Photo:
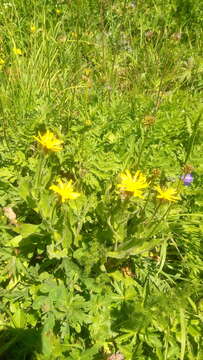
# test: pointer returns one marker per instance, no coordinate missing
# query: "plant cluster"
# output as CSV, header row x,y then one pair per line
x,y
100,180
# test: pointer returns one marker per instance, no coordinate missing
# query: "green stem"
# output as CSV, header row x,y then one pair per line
x,y
147,200
117,237
53,211
190,144
39,169
192,137
42,163
156,226
155,212
140,153
145,205
67,232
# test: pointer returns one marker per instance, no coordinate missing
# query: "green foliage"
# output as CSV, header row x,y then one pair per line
x,y
106,273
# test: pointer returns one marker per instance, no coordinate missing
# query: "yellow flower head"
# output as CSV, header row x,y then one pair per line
x,y
169,194
58,11
33,28
17,51
65,190
2,61
133,184
49,141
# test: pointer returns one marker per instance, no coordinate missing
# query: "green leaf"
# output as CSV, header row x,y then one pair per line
x,y
15,241
39,302
7,174
26,230
49,340
18,317
24,188
45,205
139,248
54,253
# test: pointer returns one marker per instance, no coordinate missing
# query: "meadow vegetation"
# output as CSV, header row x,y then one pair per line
x,y
101,177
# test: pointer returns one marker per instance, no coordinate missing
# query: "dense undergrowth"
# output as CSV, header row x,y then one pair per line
x,y
115,272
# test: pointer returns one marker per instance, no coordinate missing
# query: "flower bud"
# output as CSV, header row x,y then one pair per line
x,y
149,120
187,169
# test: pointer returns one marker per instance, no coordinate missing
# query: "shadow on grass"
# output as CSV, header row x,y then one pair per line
x,y
19,344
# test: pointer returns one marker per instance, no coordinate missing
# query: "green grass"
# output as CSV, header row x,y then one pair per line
x,y
102,274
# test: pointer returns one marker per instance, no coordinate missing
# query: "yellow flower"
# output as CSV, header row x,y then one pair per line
x,y
65,190
2,61
49,141
167,194
58,11
33,28
17,51
88,122
133,184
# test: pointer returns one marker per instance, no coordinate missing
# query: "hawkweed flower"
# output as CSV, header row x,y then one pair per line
x,y
2,61
187,179
134,185
17,51
65,190
49,141
169,194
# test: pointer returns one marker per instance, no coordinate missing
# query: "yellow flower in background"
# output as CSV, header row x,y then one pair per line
x,y
33,28
133,184
2,61
49,141
169,194
17,51
58,11
88,122
65,190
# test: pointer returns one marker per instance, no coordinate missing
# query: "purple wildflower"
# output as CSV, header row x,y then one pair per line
x,y
187,179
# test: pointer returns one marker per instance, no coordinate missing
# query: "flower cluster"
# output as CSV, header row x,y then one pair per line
x,y
50,142
133,185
